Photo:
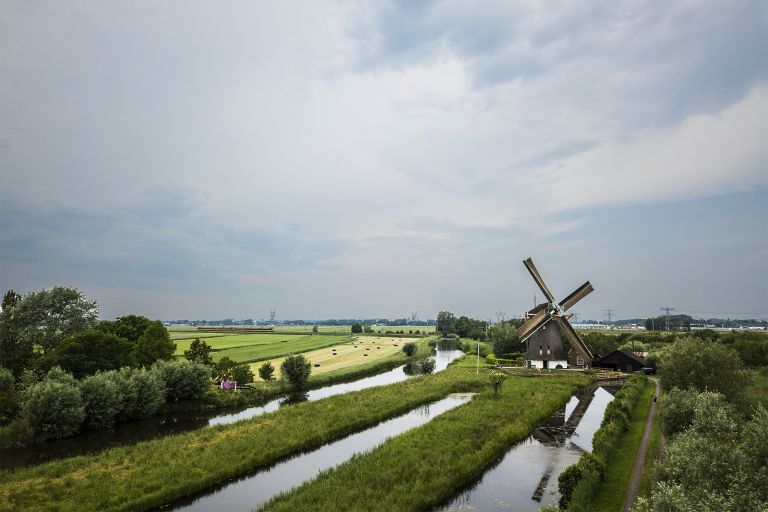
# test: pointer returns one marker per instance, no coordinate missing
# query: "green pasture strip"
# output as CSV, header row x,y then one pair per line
x,y
424,467
239,340
153,473
175,336
613,489
261,352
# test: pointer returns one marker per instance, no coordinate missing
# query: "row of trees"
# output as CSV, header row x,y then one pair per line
x,y
463,326
59,327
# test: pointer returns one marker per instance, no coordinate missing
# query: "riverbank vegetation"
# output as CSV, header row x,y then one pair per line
x,y
605,471
422,468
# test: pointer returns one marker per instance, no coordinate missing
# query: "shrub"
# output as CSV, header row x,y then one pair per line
x,y
8,406
676,410
242,374
296,370
426,365
497,379
409,349
183,380
357,328
266,371
101,400
154,345
53,408
141,393
588,466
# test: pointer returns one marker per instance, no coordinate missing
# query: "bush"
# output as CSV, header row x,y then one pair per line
x,y
676,410
409,349
426,365
227,369
589,466
266,371
154,345
53,408
141,393
357,328
704,366
296,370
183,380
101,400
8,406
242,374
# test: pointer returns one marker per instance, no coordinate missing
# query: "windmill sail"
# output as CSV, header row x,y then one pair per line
x,y
581,292
539,281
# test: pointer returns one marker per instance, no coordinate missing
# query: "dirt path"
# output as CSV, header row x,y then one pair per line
x,y
637,472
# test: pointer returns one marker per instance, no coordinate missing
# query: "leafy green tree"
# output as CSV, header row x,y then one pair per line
x,y
48,317
183,380
53,408
130,327
10,299
446,323
704,366
357,328
154,345
87,352
199,352
504,339
8,405
409,349
242,374
496,378
314,328
266,371
39,322
101,400
296,370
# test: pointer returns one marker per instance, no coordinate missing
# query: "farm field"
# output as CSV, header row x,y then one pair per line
x,y
190,335
261,349
229,341
360,351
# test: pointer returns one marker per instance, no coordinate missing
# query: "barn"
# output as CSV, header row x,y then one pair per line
x,y
622,360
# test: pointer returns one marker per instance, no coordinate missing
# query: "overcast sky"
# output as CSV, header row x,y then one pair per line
x,y
210,159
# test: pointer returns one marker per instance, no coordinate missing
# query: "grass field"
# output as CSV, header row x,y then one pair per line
x,y
149,474
187,335
224,342
361,351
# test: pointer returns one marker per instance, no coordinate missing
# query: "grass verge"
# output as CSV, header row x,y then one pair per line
x,y
611,492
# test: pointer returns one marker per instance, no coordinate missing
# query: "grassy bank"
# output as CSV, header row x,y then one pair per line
x,y
611,492
422,468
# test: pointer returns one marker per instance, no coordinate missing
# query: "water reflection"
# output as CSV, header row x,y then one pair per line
x,y
129,433
255,490
526,477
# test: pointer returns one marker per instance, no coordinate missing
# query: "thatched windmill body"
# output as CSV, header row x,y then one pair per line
x,y
546,325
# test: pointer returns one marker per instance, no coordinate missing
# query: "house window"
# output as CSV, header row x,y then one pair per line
x,y
540,351
579,361
548,351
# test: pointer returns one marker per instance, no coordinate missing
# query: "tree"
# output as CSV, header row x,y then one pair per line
x,y
154,345
8,404
704,366
130,327
101,400
426,365
199,352
266,371
504,339
87,352
357,328
48,317
10,299
496,378
242,374
296,370
446,323
409,349
314,328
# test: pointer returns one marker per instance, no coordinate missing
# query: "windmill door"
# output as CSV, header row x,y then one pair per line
x,y
545,364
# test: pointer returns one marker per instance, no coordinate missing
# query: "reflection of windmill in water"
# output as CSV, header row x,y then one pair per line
x,y
546,324
557,431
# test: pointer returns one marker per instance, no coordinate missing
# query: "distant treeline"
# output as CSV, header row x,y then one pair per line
x,y
333,321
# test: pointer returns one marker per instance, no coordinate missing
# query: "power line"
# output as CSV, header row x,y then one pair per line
x,y
667,310
609,313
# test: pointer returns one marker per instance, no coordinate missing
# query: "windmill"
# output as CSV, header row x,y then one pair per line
x,y
546,323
